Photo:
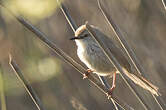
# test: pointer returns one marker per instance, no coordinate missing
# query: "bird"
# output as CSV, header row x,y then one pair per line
x,y
90,53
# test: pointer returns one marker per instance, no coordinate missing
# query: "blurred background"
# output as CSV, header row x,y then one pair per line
x,y
59,85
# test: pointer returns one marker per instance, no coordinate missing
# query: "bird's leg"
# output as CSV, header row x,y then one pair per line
x,y
110,92
86,74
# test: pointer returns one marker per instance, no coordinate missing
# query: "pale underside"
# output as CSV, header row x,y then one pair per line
x,y
93,57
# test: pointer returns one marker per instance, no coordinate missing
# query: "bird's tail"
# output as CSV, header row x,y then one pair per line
x,y
139,80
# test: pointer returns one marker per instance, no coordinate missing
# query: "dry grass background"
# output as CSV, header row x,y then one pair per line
x,y
58,85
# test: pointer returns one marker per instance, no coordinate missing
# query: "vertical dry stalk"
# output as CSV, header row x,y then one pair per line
x,y
128,49
121,39
164,2
27,86
68,17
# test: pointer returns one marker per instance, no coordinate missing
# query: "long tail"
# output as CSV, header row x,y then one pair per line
x,y
142,82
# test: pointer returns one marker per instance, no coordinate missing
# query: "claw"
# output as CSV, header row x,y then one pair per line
x,y
109,96
86,74
110,92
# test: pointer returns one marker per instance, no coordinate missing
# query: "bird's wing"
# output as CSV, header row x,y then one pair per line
x,y
115,50
121,58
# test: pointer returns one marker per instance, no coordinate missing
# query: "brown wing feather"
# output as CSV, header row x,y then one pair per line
x,y
115,50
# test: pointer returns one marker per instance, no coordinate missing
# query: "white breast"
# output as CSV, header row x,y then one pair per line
x,y
93,57
81,52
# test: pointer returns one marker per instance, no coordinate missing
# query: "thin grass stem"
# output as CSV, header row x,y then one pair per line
x,y
67,16
26,84
164,2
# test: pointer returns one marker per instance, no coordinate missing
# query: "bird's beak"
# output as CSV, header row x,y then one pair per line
x,y
78,37
73,38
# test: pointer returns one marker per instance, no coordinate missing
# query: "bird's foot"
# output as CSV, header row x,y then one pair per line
x,y
86,74
110,92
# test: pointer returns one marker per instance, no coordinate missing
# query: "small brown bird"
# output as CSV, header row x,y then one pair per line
x,y
94,58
